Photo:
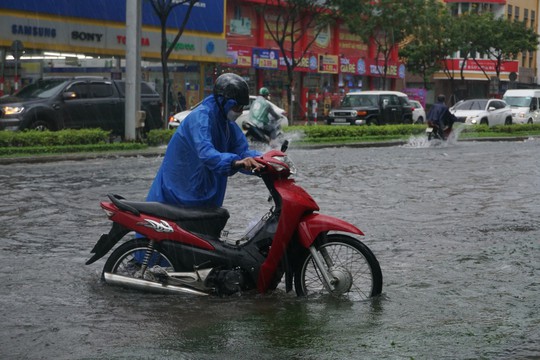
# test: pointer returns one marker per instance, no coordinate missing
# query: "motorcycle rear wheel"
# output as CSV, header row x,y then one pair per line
x,y
127,260
354,269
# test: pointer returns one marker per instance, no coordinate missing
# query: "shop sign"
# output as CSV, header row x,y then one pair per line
x,y
86,36
121,39
28,30
482,65
328,64
205,16
265,58
181,46
478,1
393,69
347,65
240,56
306,64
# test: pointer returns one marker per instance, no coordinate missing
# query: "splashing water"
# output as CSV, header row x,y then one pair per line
x,y
421,141
276,144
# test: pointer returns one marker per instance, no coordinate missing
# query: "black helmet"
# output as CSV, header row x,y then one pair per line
x,y
232,86
441,98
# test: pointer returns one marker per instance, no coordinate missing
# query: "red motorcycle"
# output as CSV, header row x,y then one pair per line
x,y
179,250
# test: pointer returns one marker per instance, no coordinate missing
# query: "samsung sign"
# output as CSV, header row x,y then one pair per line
x,y
38,31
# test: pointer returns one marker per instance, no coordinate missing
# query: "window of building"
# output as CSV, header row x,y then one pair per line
x,y
510,12
516,13
533,20
525,16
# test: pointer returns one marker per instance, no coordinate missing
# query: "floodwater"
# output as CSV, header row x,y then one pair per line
x,y
456,230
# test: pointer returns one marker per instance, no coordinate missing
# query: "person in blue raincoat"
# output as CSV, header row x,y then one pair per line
x,y
207,147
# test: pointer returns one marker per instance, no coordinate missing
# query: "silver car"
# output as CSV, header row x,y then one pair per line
x,y
419,113
489,112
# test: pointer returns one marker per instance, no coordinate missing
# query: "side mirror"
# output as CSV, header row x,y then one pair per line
x,y
69,95
284,145
491,108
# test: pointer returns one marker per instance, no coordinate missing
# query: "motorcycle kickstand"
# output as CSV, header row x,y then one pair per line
x,y
327,282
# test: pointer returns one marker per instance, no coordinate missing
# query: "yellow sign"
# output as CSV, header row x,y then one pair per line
x,y
328,64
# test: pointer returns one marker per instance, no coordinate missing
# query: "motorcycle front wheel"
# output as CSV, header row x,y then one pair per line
x,y
354,270
129,260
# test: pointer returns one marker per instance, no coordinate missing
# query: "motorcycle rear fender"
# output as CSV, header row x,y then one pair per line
x,y
148,226
107,241
313,224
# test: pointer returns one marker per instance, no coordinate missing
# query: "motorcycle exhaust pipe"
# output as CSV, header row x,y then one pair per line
x,y
146,285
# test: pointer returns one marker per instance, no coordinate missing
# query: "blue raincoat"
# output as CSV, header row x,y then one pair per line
x,y
199,158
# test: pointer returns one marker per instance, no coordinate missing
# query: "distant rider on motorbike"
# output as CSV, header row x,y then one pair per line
x,y
260,111
440,116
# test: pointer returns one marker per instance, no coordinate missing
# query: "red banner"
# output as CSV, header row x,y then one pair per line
x,y
481,65
502,2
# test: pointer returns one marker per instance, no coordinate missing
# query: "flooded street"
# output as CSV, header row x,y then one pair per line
x,y
456,230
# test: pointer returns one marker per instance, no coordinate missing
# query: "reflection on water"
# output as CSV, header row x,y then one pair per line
x,y
455,230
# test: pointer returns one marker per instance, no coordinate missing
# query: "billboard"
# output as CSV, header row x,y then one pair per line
x,y
206,15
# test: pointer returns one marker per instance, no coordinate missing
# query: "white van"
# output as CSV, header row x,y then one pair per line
x,y
525,104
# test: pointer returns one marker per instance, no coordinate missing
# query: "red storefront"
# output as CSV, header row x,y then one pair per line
x,y
336,62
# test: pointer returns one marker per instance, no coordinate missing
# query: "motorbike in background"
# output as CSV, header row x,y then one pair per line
x,y
266,135
433,131
181,249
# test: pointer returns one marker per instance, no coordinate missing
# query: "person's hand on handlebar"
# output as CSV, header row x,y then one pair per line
x,y
249,164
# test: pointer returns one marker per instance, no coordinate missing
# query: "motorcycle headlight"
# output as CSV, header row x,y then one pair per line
x,y
284,159
12,110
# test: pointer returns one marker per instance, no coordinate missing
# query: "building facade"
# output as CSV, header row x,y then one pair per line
x,y
336,62
515,73
80,37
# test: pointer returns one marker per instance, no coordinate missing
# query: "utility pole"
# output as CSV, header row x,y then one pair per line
x,y
133,67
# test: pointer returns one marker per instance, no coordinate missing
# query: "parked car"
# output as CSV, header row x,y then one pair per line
x,y
489,112
176,119
75,103
372,108
524,104
418,112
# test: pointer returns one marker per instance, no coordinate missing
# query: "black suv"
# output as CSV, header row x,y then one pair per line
x,y
74,103
372,108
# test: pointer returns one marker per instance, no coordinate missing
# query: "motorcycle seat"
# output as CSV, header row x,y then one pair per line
x,y
170,212
205,220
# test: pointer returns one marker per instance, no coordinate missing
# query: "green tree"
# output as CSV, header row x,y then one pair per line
x,y
429,42
162,9
506,40
288,22
385,23
437,35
